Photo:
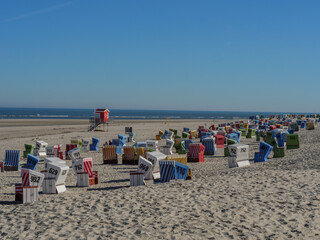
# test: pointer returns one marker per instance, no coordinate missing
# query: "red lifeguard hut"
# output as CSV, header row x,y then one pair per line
x,y
101,117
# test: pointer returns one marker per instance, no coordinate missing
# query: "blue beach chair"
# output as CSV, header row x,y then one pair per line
x,y
12,160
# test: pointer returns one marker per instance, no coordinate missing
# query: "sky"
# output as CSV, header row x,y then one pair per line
x,y
161,54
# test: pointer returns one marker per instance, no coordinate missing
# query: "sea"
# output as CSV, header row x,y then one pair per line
x,y
65,113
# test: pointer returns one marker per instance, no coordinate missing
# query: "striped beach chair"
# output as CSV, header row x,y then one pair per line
x,y
167,170
208,143
68,148
12,160
128,156
110,155
187,143
196,153
32,162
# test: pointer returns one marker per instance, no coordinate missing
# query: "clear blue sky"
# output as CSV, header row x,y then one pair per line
x,y
164,54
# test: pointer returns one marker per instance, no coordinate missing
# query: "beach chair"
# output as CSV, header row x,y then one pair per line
x,y
110,155
209,144
32,162
122,140
78,142
28,150
239,155
26,194
185,135
219,140
12,160
128,156
264,152
170,170
181,159
131,137
154,158
152,144
74,154
187,143
94,145
140,151
310,126
196,153
68,148
85,175
278,152
167,149
40,149
31,178
85,145
144,169
57,173
293,141
127,130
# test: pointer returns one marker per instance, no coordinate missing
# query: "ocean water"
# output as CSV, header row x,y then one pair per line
x,y
63,113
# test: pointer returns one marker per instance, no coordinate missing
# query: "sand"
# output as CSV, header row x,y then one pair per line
x,y
278,199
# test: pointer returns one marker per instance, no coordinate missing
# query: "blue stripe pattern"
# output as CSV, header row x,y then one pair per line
x,y
187,143
12,158
209,146
167,170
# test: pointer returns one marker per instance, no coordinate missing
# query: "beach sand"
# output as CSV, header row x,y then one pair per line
x,y
278,199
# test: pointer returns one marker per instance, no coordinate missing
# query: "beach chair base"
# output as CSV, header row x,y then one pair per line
x,y
199,159
209,153
112,161
130,162
292,146
11,168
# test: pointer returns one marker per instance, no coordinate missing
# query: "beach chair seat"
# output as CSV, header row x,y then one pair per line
x,y
110,155
85,175
32,162
170,170
12,160
28,150
196,153
94,145
128,156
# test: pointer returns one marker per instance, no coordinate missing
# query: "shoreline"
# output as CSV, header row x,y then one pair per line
x,y
60,122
